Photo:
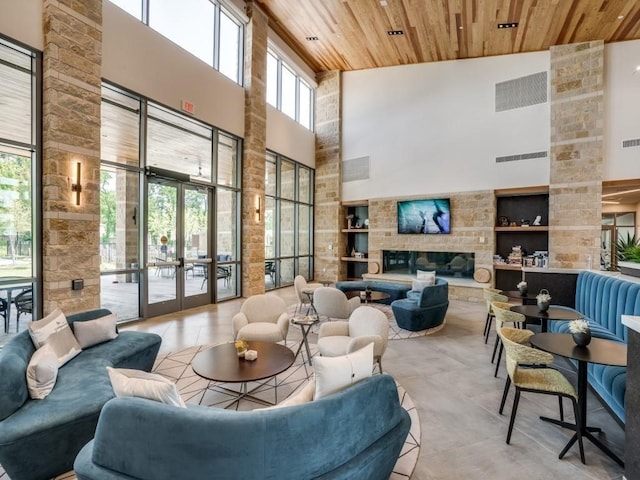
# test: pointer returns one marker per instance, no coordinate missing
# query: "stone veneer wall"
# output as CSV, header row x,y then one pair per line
x,y
72,66
577,112
472,219
253,166
328,185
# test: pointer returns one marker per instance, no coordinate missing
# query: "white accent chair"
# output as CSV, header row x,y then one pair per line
x,y
262,318
365,325
300,284
333,303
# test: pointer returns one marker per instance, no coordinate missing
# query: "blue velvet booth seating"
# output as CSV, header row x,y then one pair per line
x,y
395,290
424,309
355,434
39,439
602,300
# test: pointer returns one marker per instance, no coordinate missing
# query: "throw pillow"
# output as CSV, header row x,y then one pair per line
x,y
424,275
137,383
333,374
92,332
55,331
42,372
418,285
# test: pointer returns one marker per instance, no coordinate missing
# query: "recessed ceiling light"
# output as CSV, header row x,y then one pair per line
x,y
508,25
634,190
610,202
312,39
383,3
460,27
620,17
395,32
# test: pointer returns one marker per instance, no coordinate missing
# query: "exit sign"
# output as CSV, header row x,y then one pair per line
x,y
188,107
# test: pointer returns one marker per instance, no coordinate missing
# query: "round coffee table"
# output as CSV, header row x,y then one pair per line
x,y
222,364
374,297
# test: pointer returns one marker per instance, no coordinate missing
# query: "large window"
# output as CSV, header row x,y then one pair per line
x,y
288,92
206,159
288,221
19,201
204,28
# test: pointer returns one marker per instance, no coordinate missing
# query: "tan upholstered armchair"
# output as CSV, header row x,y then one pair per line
x,y
301,286
262,317
333,303
365,325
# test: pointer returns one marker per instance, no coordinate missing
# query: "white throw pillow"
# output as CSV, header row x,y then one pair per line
x,y
418,285
332,374
55,331
92,332
137,383
42,372
424,275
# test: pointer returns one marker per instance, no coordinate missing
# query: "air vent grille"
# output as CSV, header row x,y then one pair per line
x,y
521,156
631,143
355,169
521,92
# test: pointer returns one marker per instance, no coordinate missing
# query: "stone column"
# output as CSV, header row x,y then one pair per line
x,y
72,64
575,185
253,167
329,218
127,188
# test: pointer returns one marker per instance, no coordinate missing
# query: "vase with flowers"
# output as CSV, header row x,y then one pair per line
x,y
241,347
543,299
581,332
522,287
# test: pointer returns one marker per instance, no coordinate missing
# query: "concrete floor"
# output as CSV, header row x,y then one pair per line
x,y
450,379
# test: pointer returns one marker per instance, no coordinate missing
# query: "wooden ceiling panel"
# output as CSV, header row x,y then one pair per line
x,y
352,34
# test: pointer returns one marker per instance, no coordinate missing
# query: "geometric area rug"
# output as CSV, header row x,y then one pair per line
x,y
176,366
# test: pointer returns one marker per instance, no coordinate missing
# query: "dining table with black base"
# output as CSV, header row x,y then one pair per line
x,y
554,312
527,298
600,351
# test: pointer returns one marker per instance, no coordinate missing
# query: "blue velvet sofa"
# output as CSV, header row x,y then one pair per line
x,y
354,434
395,290
602,300
40,439
424,309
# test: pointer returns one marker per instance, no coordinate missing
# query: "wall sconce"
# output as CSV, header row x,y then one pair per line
x,y
258,212
76,187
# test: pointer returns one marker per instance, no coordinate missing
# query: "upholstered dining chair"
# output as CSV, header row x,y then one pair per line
x,y
491,295
300,285
365,325
503,314
262,317
24,304
521,363
333,303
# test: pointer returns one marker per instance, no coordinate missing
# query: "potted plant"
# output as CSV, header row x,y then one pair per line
x,y
628,255
581,332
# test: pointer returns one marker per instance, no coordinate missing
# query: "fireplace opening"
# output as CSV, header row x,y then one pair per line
x,y
445,264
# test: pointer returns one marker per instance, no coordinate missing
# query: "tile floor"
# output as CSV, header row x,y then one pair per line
x,y
450,379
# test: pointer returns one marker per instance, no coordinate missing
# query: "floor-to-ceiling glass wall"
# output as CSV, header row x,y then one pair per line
x,y
169,209
19,199
288,221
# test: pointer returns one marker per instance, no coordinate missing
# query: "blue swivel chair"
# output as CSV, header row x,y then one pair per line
x,y
424,309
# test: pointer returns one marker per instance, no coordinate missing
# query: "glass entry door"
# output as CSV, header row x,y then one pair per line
x,y
178,255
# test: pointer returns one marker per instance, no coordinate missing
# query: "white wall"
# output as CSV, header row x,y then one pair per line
x,y
432,128
287,137
21,20
622,109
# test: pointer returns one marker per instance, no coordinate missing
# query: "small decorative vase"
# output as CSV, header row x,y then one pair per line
x,y
582,339
543,306
241,353
523,290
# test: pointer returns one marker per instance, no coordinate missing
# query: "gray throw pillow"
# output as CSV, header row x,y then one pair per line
x,y
92,332
55,331
42,372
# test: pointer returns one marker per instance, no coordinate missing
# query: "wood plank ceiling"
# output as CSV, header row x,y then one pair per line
x,y
352,34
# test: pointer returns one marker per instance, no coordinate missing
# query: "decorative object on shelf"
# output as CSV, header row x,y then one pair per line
x,y
580,332
353,252
522,287
241,347
359,255
513,224
350,219
524,222
543,299
357,225
503,221
537,220
366,223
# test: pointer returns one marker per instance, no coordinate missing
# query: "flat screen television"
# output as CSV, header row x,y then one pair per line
x,y
424,216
